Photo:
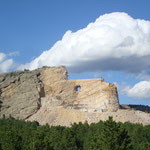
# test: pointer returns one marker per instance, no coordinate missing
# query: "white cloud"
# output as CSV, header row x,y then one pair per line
x,y
5,62
114,42
140,90
2,57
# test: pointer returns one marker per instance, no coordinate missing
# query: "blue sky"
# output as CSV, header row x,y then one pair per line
x,y
30,27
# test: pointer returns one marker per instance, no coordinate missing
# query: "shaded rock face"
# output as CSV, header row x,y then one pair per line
x,y
25,94
20,93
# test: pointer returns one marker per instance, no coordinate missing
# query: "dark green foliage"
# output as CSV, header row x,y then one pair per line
x,y
114,137
107,135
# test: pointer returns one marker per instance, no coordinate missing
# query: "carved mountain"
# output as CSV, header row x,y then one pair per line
x,y
47,96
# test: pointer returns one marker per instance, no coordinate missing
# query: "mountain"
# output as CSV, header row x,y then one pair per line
x,y
47,96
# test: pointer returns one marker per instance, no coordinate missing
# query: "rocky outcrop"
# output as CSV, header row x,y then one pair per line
x,y
95,95
20,93
46,95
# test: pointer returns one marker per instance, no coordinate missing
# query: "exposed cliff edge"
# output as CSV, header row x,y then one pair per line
x,y
46,95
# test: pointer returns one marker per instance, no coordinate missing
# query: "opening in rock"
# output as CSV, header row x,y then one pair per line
x,y
78,88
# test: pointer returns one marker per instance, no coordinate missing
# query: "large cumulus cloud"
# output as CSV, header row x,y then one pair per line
x,y
114,42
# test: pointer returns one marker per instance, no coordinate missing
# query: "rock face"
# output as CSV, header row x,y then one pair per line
x,y
46,95
20,93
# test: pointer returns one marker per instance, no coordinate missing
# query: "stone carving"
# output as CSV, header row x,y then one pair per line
x,y
46,95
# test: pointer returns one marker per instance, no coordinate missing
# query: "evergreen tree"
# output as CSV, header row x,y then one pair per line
x,y
114,137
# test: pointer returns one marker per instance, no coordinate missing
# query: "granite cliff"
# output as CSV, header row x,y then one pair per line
x,y
46,95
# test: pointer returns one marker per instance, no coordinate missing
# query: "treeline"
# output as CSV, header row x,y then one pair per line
x,y
104,135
